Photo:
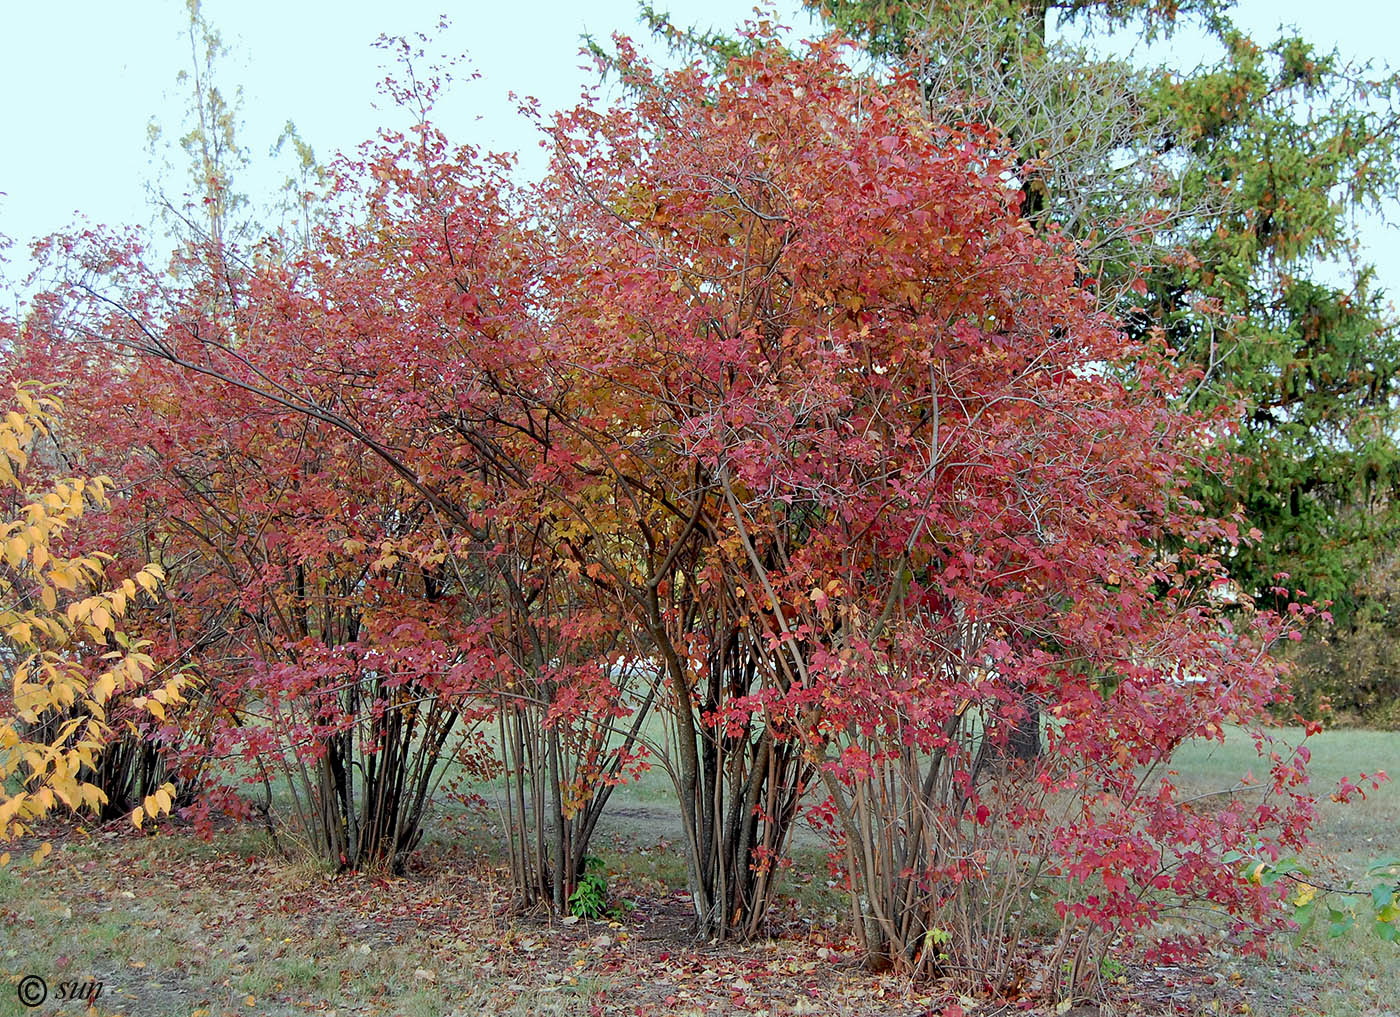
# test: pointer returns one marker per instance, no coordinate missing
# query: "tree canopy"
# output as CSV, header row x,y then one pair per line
x,y
1214,203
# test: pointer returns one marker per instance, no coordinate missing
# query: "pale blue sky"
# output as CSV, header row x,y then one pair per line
x,y
81,79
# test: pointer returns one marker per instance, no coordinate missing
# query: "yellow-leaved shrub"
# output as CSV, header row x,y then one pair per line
x,y
60,646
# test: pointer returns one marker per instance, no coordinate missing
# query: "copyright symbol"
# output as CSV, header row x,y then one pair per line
x,y
33,990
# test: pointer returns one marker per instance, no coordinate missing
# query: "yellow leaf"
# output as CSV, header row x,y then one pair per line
x,y
67,790
41,852
4,859
138,814
9,809
15,550
103,688
48,598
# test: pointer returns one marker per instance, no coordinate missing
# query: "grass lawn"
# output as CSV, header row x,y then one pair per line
x,y
1357,974
173,927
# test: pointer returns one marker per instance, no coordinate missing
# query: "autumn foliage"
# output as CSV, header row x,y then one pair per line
x,y
77,684
765,413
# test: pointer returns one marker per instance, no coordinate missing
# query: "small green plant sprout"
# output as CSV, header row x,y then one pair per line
x,y
936,939
1111,969
590,897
